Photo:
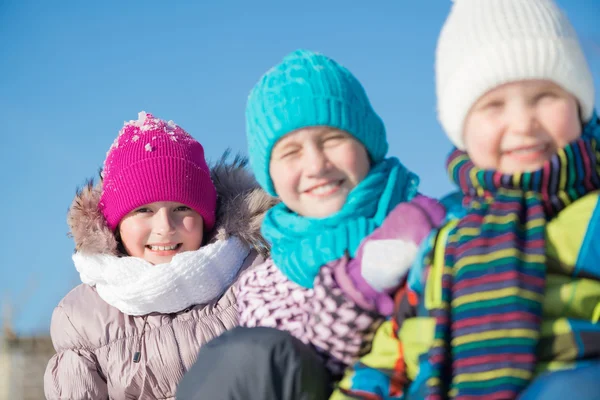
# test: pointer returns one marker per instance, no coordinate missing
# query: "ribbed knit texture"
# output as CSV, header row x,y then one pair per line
x,y
494,280
308,89
487,43
136,287
154,160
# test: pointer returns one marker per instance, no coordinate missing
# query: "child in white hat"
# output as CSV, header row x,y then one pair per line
x,y
506,301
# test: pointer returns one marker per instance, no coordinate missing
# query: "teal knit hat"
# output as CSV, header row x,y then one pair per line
x,y
308,89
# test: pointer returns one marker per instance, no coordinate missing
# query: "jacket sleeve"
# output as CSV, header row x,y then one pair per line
x,y
267,298
321,317
380,374
339,329
72,373
397,365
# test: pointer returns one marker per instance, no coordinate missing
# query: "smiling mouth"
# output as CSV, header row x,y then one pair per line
x,y
173,247
325,190
528,150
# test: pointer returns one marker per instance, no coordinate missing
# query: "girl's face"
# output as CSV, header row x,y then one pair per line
x,y
313,169
517,127
158,231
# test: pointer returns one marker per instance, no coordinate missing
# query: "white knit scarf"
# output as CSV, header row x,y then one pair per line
x,y
137,287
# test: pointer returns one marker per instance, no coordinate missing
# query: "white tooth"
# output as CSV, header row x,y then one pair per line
x,y
163,248
325,188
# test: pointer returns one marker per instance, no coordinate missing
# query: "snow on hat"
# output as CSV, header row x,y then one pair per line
x,y
153,160
487,43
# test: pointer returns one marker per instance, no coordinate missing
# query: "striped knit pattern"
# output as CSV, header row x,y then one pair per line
x,y
495,271
322,317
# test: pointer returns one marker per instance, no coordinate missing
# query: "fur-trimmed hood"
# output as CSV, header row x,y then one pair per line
x,y
241,206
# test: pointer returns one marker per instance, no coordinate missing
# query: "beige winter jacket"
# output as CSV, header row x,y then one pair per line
x,y
96,343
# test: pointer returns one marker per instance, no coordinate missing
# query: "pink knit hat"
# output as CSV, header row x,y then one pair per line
x,y
154,160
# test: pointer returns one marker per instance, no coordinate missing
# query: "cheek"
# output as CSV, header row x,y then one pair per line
x,y
563,123
482,143
130,233
132,236
354,161
285,177
194,230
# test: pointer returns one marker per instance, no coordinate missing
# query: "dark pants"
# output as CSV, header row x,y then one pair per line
x,y
256,363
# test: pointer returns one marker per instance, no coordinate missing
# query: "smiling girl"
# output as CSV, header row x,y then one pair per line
x,y
343,237
506,303
159,244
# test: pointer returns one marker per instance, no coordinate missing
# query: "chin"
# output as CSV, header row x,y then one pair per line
x,y
327,211
163,260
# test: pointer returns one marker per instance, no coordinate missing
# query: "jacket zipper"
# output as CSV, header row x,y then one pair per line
x,y
181,365
138,354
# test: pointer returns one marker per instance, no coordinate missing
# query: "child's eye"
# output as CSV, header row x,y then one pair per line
x,y
142,210
492,105
183,208
544,96
289,153
334,139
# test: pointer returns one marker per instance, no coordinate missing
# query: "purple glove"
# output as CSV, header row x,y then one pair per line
x,y
385,256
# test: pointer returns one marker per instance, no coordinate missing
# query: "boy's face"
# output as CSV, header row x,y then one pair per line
x,y
313,169
158,231
518,126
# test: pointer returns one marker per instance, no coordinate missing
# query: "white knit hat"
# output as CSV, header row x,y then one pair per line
x,y
487,43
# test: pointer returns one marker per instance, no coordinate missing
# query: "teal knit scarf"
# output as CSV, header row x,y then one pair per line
x,y
301,245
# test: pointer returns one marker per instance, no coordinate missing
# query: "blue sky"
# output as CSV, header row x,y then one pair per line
x,y
72,71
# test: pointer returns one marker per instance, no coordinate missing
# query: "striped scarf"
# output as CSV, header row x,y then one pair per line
x,y
488,326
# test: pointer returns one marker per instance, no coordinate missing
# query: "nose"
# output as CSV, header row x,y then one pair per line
x,y
316,161
163,222
522,121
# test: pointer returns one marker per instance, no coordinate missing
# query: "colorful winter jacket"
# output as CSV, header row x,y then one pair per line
x,y
397,366
350,296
